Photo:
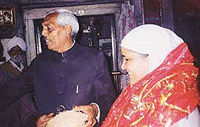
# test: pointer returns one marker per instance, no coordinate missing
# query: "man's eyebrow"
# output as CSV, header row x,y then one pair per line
x,y
45,20
45,24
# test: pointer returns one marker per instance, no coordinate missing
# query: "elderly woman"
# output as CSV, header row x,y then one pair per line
x,y
163,87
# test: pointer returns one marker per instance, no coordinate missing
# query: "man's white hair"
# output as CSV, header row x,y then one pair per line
x,y
66,17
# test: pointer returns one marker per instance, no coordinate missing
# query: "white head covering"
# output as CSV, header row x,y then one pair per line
x,y
16,41
153,40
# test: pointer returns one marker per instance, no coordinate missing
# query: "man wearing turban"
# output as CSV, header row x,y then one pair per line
x,y
21,112
15,48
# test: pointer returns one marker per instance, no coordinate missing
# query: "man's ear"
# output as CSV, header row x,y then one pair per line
x,y
68,29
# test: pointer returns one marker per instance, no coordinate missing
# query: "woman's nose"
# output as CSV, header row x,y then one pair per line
x,y
123,66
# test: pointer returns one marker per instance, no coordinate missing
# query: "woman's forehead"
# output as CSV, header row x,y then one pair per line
x,y
130,53
125,51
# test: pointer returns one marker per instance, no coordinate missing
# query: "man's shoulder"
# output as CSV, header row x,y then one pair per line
x,y
5,64
44,54
9,68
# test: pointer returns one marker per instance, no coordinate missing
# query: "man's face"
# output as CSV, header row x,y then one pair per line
x,y
135,64
16,54
54,33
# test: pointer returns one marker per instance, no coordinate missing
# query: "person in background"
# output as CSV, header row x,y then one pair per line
x,y
16,48
21,112
2,59
162,91
67,76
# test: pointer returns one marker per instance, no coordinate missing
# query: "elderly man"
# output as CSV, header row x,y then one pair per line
x,y
21,112
68,75
15,48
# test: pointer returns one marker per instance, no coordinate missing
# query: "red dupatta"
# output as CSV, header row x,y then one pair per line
x,y
163,97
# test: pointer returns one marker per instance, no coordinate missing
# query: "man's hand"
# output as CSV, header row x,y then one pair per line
x,y
43,120
91,111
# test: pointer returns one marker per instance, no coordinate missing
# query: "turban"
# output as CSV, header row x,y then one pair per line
x,y
153,40
16,41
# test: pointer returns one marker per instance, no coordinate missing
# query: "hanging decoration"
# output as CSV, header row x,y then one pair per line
x,y
126,23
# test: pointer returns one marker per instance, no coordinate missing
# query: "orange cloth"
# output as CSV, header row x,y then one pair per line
x,y
164,96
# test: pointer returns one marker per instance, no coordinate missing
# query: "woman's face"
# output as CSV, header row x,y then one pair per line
x,y
135,64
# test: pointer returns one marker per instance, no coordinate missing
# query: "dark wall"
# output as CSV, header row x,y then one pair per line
x,y
8,31
187,23
187,26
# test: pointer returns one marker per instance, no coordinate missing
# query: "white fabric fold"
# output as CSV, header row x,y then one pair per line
x,y
153,40
16,41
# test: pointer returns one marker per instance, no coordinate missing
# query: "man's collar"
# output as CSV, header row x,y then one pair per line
x,y
71,50
63,54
